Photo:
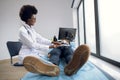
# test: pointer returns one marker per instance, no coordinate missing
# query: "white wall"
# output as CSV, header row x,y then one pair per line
x,y
52,14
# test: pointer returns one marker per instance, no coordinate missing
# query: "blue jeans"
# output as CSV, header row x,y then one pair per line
x,y
65,52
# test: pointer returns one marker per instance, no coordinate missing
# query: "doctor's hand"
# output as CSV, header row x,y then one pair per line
x,y
54,46
56,43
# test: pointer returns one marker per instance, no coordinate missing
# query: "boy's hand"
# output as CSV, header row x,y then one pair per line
x,y
48,55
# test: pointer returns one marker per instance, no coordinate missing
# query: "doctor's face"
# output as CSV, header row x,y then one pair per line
x,y
32,20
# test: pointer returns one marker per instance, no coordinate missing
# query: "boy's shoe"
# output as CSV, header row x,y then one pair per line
x,y
36,65
80,56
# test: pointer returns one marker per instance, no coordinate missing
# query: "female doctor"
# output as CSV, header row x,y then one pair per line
x,y
34,46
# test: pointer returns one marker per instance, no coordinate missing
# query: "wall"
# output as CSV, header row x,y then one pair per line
x,y
52,14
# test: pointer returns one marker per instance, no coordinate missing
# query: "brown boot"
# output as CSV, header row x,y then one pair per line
x,y
36,65
80,57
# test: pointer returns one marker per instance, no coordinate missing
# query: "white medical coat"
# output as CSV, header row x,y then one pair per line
x,y
32,43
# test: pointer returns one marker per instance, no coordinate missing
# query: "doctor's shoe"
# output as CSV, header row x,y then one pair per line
x,y
36,65
80,57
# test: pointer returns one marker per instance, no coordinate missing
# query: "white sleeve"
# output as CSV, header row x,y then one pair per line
x,y
25,39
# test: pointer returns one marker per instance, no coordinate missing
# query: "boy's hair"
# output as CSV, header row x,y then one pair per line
x,y
26,12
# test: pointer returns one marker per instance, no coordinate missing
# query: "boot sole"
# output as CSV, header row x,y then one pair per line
x,y
35,65
80,57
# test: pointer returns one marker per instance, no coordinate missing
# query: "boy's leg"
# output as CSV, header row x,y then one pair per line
x,y
35,65
67,53
80,56
55,56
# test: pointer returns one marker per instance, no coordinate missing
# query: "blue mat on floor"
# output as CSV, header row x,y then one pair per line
x,y
88,72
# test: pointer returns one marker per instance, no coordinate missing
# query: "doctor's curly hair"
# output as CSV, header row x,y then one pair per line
x,y
26,12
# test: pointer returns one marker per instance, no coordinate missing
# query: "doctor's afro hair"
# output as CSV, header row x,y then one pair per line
x,y
26,12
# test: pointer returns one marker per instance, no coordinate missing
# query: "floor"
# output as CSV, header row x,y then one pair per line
x,y
109,68
10,72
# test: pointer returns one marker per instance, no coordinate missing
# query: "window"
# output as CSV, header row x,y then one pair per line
x,y
90,24
81,25
99,27
109,28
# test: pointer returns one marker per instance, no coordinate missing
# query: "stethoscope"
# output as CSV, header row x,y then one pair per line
x,y
27,30
29,33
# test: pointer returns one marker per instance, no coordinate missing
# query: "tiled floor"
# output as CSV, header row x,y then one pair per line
x,y
109,68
